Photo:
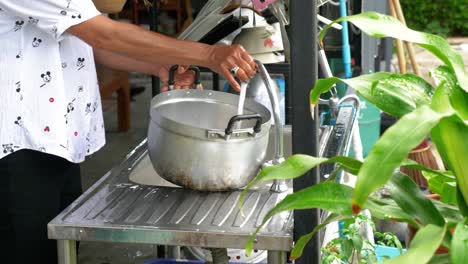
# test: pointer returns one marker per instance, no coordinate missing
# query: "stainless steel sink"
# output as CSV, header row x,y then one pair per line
x,y
145,174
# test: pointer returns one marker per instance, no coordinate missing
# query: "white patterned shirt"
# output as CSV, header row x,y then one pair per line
x,y
49,94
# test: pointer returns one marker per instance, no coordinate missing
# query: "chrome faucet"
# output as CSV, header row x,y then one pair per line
x,y
278,185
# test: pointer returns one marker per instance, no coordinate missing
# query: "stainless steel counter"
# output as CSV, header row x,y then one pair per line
x,y
119,208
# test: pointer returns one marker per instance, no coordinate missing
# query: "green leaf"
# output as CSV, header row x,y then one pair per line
x,y
391,150
410,198
450,136
387,209
449,212
461,203
396,94
411,164
443,184
303,240
446,79
296,166
329,196
423,246
436,180
440,259
459,247
379,26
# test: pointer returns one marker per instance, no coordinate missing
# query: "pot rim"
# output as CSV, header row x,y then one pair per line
x,y
180,96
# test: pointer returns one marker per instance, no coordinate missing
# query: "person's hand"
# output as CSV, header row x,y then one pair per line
x,y
232,61
183,78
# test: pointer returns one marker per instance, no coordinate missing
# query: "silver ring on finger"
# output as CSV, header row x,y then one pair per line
x,y
234,70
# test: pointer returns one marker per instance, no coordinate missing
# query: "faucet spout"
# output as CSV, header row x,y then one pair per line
x,y
278,185
272,94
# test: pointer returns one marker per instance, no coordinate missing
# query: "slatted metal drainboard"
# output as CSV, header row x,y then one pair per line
x,y
116,209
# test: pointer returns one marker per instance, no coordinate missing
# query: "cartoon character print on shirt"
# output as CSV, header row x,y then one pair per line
x,y
88,142
70,109
68,5
19,122
65,146
73,16
88,108
80,63
36,42
18,90
76,16
46,77
9,148
33,20
54,31
18,25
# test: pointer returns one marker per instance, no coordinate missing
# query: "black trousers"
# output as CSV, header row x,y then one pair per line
x,y
34,188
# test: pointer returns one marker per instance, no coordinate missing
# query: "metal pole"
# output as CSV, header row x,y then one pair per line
x,y
66,251
305,130
155,89
276,257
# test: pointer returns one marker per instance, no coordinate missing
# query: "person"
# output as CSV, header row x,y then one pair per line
x,y
50,110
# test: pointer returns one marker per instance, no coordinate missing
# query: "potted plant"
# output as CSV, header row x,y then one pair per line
x,y
354,246
422,109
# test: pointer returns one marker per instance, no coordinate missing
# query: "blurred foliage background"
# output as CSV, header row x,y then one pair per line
x,y
442,17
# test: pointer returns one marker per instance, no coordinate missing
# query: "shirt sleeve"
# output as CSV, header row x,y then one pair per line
x,y
53,17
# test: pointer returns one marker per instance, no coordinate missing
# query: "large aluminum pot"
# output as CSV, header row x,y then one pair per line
x,y
196,140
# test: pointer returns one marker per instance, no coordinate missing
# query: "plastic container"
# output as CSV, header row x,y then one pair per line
x,y
385,252
369,125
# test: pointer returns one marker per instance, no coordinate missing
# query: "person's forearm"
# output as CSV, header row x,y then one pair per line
x,y
139,44
118,61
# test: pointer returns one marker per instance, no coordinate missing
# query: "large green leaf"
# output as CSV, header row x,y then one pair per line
x,y
302,242
423,246
391,150
410,198
329,196
395,94
379,26
451,136
459,247
441,104
296,166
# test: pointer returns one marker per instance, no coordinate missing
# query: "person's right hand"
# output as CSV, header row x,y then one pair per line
x,y
223,59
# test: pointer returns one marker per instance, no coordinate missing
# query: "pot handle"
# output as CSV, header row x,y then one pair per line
x,y
257,128
172,71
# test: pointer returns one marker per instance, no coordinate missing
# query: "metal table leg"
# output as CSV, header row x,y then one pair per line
x,y
276,257
66,251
